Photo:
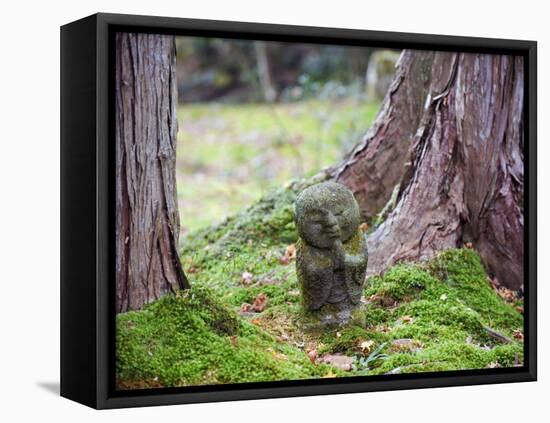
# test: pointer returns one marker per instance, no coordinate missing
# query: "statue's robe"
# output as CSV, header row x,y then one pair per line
x,y
322,282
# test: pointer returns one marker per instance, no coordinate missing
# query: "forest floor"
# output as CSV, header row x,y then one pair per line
x,y
242,319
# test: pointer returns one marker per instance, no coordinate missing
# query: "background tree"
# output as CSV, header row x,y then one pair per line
x,y
444,160
147,219
241,71
264,71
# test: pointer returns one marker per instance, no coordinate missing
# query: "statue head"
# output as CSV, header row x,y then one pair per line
x,y
326,212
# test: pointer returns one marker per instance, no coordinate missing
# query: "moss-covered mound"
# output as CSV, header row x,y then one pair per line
x,y
442,315
242,320
192,339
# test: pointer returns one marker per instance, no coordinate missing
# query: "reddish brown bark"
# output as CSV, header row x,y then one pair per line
x,y
147,219
375,165
455,140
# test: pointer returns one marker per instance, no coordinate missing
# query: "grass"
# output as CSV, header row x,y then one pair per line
x,y
418,317
230,155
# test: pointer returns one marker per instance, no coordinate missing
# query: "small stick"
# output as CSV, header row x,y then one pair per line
x,y
497,335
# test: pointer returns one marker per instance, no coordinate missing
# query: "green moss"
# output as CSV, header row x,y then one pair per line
x,y
400,282
449,356
441,308
447,304
283,293
346,340
462,271
192,339
252,241
269,221
375,315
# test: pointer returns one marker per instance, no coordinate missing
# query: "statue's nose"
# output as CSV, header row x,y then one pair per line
x,y
331,221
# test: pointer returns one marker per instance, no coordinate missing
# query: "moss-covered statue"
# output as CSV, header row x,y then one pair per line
x,y
331,257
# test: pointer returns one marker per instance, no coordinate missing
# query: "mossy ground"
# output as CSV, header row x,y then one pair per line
x,y
423,317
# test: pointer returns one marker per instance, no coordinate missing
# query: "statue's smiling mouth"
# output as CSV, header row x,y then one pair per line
x,y
332,233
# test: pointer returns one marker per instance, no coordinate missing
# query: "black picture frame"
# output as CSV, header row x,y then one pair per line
x,y
87,212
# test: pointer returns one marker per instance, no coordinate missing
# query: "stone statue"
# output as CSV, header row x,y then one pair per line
x,y
331,256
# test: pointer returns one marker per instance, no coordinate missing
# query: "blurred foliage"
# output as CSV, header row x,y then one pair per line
x,y
227,70
255,114
230,155
380,72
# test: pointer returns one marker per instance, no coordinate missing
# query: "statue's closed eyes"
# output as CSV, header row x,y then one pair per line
x,y
332,252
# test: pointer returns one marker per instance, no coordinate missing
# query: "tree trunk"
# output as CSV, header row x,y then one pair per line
x,y
147,219
450,137
375,165
264,71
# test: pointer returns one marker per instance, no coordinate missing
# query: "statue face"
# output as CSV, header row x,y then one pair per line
x,y
326,212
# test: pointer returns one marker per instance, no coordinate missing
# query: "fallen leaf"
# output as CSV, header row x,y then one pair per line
x,y
289,254
330,374
268,280
260,303
507,294
407,319
339,361
312,355
246,308
493,365
383,328
494,282
366,345
519,309
518,334
291,251
384,301
406,344
233,340
246,278
364,226
284,260
281,356
468,245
